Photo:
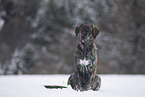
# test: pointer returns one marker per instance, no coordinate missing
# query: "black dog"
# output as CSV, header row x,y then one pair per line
x,y
85,60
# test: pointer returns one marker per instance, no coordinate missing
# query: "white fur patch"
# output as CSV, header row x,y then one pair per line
x,y
84,62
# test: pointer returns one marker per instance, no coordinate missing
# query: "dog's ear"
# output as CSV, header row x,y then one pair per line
x,y
77,29
95,31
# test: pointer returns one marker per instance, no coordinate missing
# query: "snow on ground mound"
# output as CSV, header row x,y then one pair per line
x,y
33,86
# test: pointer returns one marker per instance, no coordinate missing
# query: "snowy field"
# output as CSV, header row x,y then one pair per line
x,y
32,86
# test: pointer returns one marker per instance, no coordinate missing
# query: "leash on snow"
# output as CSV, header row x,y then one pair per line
x,y
54,87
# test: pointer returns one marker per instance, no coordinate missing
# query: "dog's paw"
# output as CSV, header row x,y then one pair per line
x,y
96,83
72,82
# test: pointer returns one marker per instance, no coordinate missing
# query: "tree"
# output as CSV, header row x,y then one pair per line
x,y
17,16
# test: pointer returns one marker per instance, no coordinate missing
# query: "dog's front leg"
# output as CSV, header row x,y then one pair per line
x,y
73,81
96,83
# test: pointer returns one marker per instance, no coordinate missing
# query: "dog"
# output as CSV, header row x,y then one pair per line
x,y
85,60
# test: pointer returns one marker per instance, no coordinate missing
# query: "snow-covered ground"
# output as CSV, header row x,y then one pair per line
x,y
32,86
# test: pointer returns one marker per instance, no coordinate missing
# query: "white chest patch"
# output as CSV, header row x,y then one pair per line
x,y
84,62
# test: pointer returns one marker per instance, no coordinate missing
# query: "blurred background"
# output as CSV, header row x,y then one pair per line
x,y
37,36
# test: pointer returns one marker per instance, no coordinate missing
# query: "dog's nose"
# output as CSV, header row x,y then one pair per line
x,y
83,37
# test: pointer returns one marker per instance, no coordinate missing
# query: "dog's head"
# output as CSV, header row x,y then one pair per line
x,y
86,32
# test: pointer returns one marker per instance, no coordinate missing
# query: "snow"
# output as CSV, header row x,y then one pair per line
x,y
32,86
1,23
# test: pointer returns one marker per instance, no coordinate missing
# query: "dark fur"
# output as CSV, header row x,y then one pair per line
x,y
84,76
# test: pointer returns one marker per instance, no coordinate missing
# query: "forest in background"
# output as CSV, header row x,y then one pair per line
x,y
37,36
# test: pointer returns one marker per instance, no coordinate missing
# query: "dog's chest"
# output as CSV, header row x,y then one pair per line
x,y
85,54
84,62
